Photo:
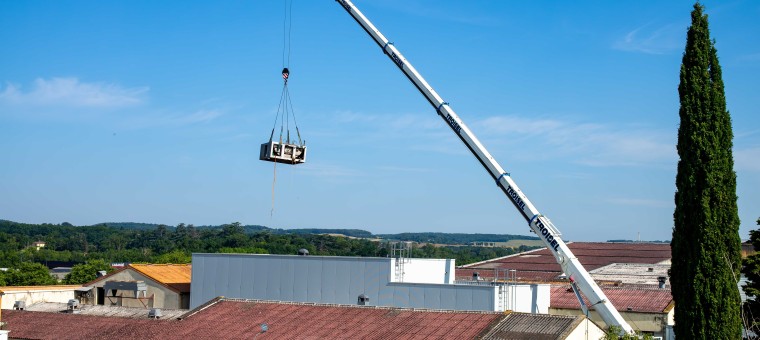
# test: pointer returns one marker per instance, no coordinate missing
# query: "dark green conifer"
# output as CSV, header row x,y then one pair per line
x,y
706,245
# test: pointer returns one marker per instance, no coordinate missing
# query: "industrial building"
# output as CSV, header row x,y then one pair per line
x,y
392,282
143,285
633,276
28,295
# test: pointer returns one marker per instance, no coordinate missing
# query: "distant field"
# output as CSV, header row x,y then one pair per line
x,y
529,243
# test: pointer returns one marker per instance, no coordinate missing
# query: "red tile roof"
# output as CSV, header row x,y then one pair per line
x,y
242,319
625,299
229,319
591,254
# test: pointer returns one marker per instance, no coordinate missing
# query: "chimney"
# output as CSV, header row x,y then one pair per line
x,y
661,280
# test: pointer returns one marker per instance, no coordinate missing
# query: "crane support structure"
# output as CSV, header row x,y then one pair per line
x,y
538,223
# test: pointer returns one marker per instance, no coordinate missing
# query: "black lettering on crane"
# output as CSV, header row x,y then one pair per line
x,y
345,5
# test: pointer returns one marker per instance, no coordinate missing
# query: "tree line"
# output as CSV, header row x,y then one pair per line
x,y
96,246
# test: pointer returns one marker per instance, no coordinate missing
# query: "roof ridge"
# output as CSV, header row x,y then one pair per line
x,y
222,298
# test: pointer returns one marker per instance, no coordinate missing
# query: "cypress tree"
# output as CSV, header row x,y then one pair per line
x,y
706,245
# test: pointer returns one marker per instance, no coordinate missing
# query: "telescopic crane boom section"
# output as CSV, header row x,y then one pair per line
x,y
538,223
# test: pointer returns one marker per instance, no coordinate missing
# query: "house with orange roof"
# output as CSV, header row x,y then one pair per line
x,y
144,285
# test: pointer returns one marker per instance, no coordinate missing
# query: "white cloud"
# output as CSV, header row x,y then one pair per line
x,y
660,40
72,92
590,144
157,119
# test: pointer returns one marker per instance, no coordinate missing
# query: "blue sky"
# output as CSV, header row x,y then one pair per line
x,y
153,112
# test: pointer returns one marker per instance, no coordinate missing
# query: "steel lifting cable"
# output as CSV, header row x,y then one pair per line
x,y
285,106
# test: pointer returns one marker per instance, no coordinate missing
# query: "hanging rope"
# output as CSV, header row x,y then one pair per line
x,y
285,105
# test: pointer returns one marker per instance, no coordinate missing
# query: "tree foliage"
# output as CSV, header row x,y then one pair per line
x,y
26,274
706,244
86,272
165,244
751,270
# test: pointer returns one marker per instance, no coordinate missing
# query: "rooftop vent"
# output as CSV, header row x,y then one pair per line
x,y
661,280
363,300
19,305
476,276
650,269
73,306
303,252
154,313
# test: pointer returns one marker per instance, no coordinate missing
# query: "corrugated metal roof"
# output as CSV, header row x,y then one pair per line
x,y
9,289
592,255
534,327
165,273
625,299
104,310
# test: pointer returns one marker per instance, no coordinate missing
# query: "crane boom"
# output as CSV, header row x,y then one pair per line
x,y
538,223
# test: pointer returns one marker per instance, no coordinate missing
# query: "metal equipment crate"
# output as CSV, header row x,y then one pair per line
x,y
283,153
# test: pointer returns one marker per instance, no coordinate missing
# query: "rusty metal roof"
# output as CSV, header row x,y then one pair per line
x,y
541,265
165,273
625,299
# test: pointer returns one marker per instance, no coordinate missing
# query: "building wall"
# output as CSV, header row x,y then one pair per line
x,y
425,270
163,297
528,298
586,330
328,279
643,322
33,296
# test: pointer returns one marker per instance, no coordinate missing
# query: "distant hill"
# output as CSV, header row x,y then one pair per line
x,y
425,237
131,225
454,238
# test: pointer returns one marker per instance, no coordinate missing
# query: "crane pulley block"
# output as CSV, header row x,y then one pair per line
x,y
273,151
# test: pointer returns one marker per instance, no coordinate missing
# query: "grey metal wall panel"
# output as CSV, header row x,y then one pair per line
x,y
356,273
287,280
483,299
343,281
248,276
373,281
433,297
448,298
257,266
301,281
417,297
221,268
235,275
196,281
329,270
315,274
272,274
464,299
400,296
